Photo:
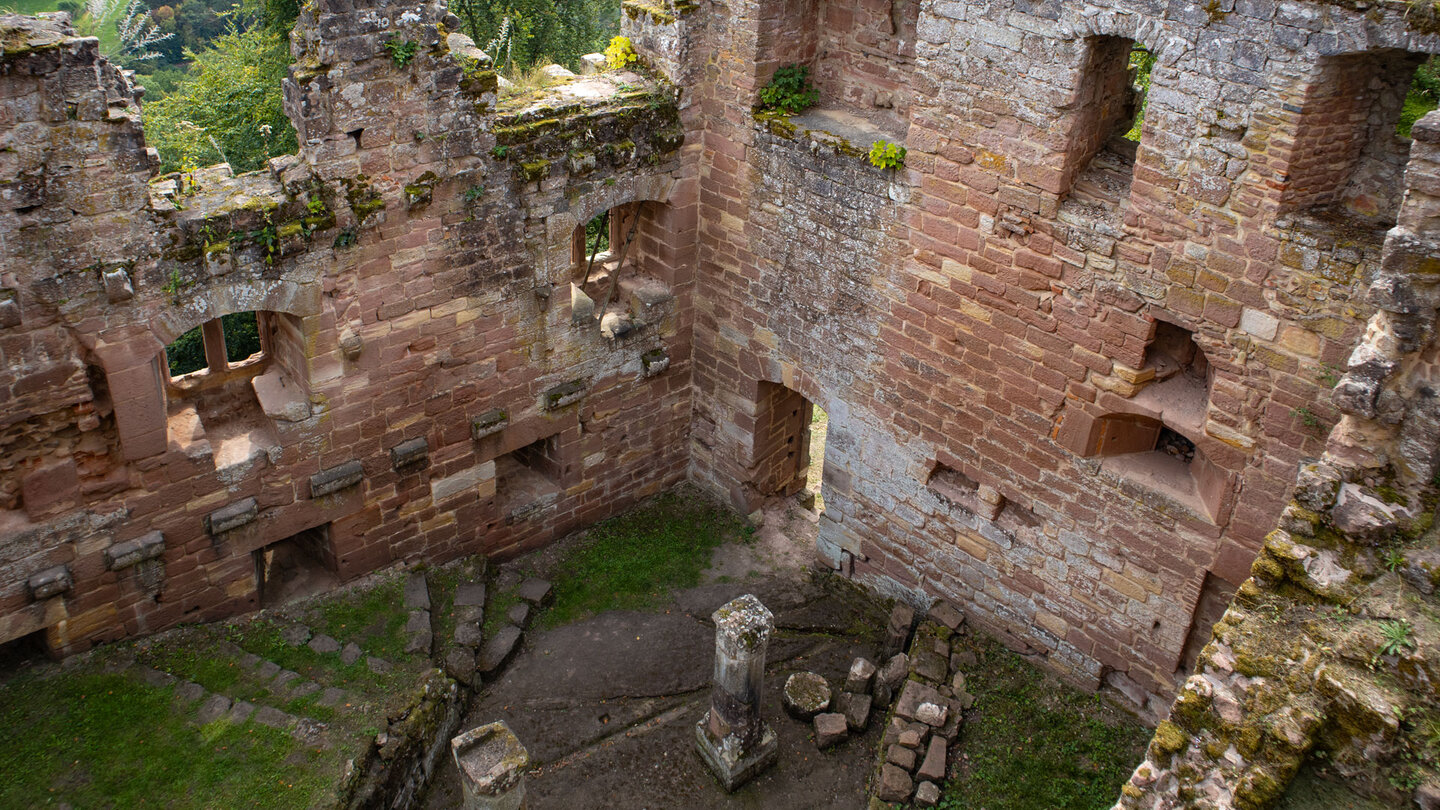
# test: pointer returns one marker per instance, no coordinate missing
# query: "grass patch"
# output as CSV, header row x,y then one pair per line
x,y
633,561
262,637
495,620
372,617
105,740
1033,743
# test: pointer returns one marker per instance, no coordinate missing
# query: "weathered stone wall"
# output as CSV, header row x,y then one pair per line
x,y
1007,322
411,268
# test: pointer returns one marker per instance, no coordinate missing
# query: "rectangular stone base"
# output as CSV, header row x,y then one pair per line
x,y
731,765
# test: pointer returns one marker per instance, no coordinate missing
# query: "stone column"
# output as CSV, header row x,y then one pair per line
x,y
492,765
732,739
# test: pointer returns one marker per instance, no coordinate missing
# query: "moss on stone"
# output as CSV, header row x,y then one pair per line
x,y
1169,740
635,9
535,169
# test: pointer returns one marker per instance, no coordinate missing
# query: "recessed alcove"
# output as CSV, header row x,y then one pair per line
x,y
529,478
300,565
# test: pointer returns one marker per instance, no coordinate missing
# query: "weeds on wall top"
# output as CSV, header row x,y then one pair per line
x,y
887,155
620,53
789,90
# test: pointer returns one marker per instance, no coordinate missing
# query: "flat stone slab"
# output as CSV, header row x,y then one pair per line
x,y
331,697
212,709
901,756
189,692
931,667
418,638
927,795
498,649
379,666
324,644
295,634
273,717
241,711
470,593
417,592
468,634
351,653
535,591
806,694
947,614
519,614
460,664
912,696
933,768
267,669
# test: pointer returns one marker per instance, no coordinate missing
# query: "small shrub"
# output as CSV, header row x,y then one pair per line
x,y
1395,639
620,53
789,90
887,155
401,50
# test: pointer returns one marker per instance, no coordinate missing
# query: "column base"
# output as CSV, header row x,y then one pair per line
x,y
731,765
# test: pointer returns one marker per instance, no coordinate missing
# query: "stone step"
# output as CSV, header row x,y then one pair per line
x,y
284,683
208,707
499,649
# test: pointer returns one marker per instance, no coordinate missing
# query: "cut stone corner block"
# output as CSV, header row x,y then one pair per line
x,y
732,739
492,764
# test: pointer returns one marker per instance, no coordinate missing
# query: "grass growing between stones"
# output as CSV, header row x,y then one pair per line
x,y
634,561
1033,743
94,739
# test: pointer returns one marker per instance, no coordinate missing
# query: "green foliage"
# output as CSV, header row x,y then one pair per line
x,y
401,50
1142,65
500,152
1395,638
620,53
227,108
1423,96
1328,375
632,561
1393,559
474,193
521,33
887,155
789,90
1031,742
242,339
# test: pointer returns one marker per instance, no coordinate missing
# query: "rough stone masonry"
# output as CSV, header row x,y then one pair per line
x,y
1070,377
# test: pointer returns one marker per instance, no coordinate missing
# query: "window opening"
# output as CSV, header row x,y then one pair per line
x,y
216,345
529,478
1110,106
1142,63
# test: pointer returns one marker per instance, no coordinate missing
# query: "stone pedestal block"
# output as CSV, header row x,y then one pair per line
x,y
732,739
492,765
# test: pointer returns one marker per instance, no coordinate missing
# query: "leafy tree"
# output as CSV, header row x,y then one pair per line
x,y
519,33
228,107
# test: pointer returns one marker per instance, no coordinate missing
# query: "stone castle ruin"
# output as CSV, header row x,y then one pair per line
x,y
1071,378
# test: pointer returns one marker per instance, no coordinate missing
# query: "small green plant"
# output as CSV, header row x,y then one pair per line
x,y
500,152
401,50
1393,559
175,285
474,193
315,206
346,238
620,53
1327,375
789,90
1307,417
1396,637
887,155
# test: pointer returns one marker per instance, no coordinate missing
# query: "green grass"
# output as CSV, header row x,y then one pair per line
x,y
30,6
1033,743
374,618
105,740
633,561
262,637
499,602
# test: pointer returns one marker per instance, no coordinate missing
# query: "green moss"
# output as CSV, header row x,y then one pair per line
x,y
635,9
526,131
535,169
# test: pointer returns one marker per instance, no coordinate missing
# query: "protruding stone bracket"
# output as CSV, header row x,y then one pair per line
x,y
228,518
564,394
489,423
52,582
412,453
118,286
655,362
328,482
732,738
132,552
492,765
9,308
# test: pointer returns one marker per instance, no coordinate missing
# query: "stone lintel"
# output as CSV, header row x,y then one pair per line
x,y
52,581
410,453
232,516
333,480
145,547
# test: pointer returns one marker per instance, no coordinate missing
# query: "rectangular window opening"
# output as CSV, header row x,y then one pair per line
x,y
529,478
301,565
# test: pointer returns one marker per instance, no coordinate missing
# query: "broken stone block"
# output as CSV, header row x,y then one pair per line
x,y
498,649
946,614
328,482
418,636
241,711
932,714
592,63
280,399
212,709
894,672
897,632
324,644
654,362
957,683
131,552
460,665
901,756
468,634
9,309
931,667
913,736
410,454
417,592
806,694
882,693
912,695
518,614
233,516
470,593
860,677
856,709
564,394
295,634
830,728
932,769
535,591
927,795
379,666
117,285
351,653
50,582
895,784
492,765
489,423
